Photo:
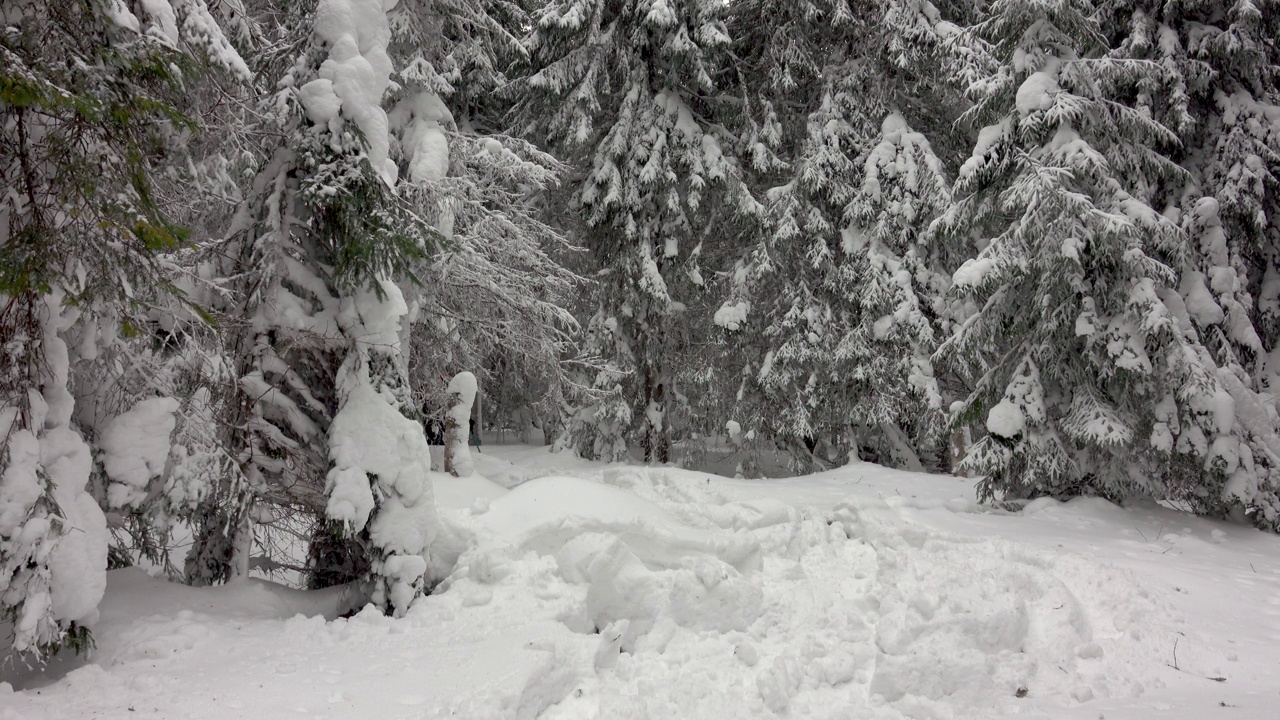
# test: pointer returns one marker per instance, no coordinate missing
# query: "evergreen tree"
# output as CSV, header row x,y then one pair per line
x,y
1088,374
596,426
90,113
326,418
848,185
626,90
1222,97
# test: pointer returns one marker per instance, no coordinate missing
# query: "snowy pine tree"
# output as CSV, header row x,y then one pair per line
x,y
894,284
386,216
90,113
627,92
327,420
822,134
1219,93
1086,369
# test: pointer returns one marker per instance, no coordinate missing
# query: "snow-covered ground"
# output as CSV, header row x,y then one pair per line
x,y
616,592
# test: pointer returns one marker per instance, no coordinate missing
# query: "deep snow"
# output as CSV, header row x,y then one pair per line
x,y
617,591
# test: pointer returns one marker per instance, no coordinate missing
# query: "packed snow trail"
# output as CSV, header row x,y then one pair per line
x,y
627,592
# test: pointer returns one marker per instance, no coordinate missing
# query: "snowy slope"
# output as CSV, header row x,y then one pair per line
x,y
629,592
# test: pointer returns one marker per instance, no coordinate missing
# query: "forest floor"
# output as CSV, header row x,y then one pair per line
x,y
586,591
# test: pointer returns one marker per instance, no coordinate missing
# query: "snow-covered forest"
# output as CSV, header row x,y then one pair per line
x,y
260,260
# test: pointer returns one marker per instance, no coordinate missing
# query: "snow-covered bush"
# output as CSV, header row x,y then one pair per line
x,y
597,424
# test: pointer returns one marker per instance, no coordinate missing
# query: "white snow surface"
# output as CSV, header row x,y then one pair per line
x,y
421,120
732,315
974,272
1036,92
1006,419
580,590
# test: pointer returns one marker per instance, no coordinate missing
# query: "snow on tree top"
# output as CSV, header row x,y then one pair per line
x,y
1036,93
357,71
464,384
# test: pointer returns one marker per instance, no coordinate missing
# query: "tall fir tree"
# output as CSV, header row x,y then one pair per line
x,y
627,92
848,185
391,235
1222,97
91,99
318,249
1086,368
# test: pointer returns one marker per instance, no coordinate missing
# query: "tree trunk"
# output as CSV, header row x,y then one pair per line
x,y
657,445
451,435
957,448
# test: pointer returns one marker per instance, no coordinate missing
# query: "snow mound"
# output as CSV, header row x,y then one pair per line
x,y
856,611
628,568
732,315
974,272
543,515
1006,419
634,592
702,594
959,620
473,493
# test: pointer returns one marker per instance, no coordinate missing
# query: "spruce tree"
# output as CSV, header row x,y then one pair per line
x,y
1086,371
391,236
90,113
320,245
848,184
1219,92
626,91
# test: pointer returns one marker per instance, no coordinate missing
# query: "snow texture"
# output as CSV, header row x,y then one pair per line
x,y
974,272
135,446
68,537
463,386
732,315
1036,92
422,119
862,592
355,75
